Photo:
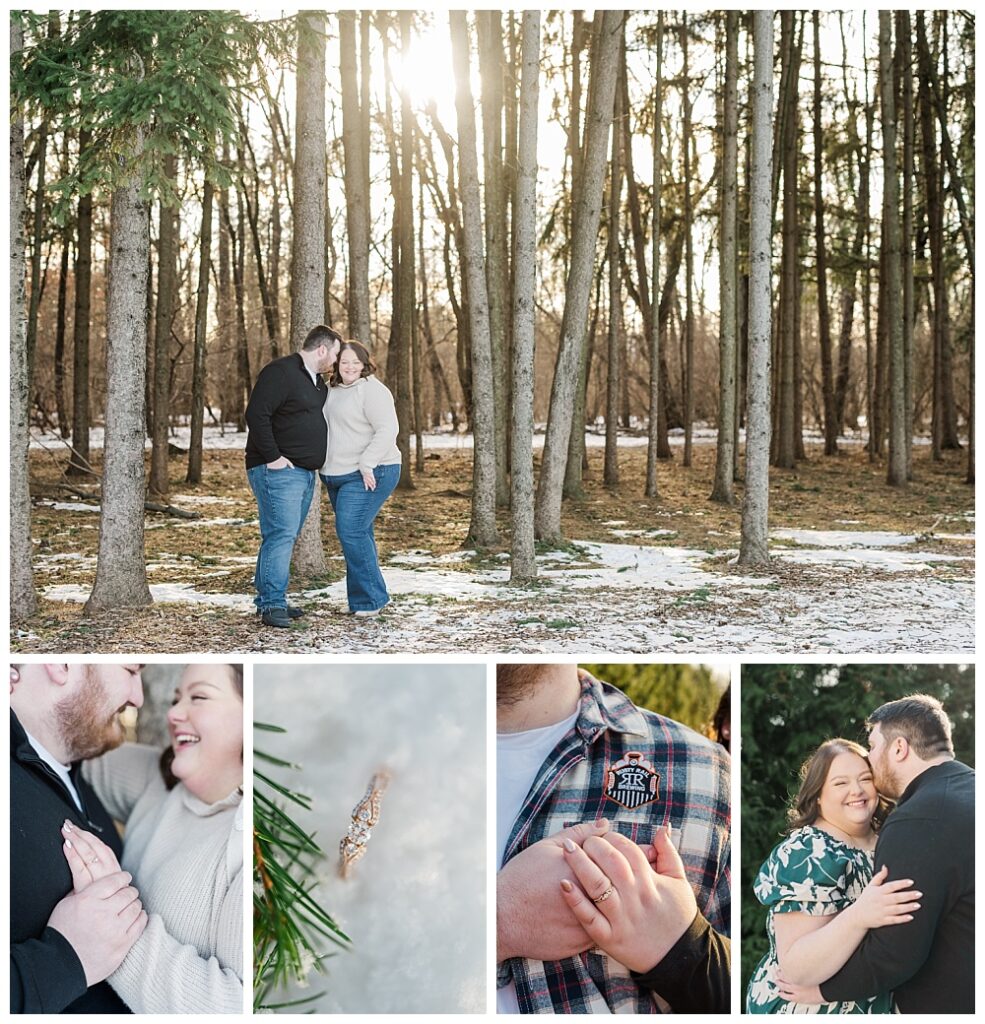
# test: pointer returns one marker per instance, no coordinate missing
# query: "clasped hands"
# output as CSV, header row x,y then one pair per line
x,y
102,917
545,897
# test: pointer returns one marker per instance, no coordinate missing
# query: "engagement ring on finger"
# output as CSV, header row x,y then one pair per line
x,y
364,816
93,859
604,896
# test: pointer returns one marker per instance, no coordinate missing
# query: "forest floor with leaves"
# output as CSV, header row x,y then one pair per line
x,y
856,567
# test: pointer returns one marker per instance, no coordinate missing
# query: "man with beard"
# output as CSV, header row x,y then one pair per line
x,y
585,781
63,944
285,447
929,963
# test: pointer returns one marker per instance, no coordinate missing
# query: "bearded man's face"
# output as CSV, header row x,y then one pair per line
x,y
88,716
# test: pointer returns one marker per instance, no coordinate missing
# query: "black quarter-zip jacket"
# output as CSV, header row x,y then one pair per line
x,y
285,417
929,963
46,975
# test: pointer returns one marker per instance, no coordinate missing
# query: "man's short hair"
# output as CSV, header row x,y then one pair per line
x,y
921,720
321,335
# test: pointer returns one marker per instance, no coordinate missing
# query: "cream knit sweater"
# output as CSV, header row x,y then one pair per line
x,y
186,858
362,427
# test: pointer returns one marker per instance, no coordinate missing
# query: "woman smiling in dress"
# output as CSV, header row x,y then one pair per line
x,y
184,847
818,884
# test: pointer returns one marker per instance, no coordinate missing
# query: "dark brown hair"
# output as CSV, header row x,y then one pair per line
x,y
806,808
361,354
320,335
167,755
921,720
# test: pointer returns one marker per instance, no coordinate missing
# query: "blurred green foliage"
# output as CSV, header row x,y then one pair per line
x,y
687,693
787,711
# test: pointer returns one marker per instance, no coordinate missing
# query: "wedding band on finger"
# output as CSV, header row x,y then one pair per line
x,y
601,899
93,860
365,815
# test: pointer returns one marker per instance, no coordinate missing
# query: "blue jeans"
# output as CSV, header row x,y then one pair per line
x,y
355,509
283,499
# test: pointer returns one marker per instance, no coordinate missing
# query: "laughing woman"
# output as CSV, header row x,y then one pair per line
x,y
361,470
819,888
184,847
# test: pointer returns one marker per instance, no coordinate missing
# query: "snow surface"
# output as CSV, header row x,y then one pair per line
x,y
851,592
414,905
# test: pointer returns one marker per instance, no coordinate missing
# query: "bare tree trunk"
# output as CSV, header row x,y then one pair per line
x,y
79,461
935,235
490,37
688,368
61,406
896,468
579,278
653,426
905,59
356,185
37,240
610,475
754,549
201,325
724,456
947,410
823,315
523,564
23,596
308,244
121,577
482,529
167,258
403,226
786,453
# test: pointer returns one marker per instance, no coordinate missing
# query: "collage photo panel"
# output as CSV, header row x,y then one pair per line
x,y
471,471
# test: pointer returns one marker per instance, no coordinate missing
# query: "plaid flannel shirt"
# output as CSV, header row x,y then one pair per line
x,y
693,795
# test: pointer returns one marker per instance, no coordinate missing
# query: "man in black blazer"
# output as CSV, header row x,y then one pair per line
x,y
928,963
64,944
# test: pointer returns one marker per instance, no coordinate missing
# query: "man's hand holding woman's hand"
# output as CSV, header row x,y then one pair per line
x,y
102,917
649,906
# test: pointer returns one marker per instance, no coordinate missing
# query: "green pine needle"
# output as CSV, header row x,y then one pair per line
x,y
289,926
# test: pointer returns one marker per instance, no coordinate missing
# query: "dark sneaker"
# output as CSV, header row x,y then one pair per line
x,y
293,611
278,617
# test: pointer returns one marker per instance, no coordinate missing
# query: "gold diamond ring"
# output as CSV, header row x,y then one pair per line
x,y
364,816
604,896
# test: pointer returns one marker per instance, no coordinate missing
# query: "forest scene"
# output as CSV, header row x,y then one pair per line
x,y
677,310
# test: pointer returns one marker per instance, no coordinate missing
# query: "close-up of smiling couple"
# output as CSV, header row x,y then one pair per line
x,y
126,860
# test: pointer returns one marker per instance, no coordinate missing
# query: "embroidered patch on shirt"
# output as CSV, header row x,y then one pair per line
x,y
632,781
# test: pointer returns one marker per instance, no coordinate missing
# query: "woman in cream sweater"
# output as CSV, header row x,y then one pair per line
x,y
183,845
361,470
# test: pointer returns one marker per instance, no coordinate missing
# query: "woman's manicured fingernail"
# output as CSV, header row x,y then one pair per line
x,y
68,843
566,885
67,825
569,846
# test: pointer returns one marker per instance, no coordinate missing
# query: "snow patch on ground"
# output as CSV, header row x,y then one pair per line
x,y
845,538
881,593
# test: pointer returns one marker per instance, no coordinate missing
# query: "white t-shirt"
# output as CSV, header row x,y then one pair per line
x,y
519,756
56,766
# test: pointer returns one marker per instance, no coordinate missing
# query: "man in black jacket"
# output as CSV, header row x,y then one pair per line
x,y
285,447
64,944
929,963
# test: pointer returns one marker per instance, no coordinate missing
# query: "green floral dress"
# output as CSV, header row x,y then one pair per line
x,y
814,873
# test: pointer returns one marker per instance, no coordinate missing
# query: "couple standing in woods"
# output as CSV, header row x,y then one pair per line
x,y
344,431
